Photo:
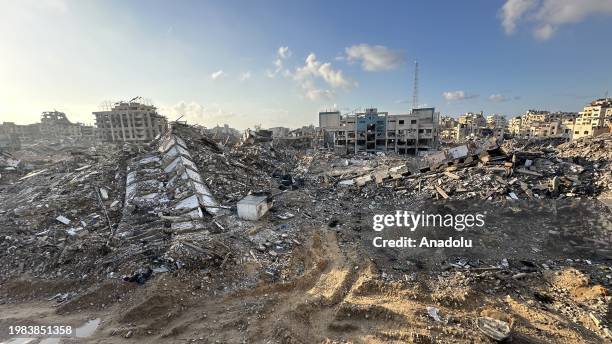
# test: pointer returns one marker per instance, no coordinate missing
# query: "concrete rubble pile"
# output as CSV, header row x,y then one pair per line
x,y
167,205
10,167
189,207
167,182
594,153
232,173
497,173
51,216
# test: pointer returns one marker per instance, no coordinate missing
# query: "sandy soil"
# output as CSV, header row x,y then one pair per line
x,y
336,295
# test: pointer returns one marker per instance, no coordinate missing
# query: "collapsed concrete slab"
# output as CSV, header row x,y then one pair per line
x,y
183,172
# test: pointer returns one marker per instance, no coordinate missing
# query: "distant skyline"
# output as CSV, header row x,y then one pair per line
x,y
277,63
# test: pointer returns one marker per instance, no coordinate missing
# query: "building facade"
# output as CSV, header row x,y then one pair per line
x,y
374,131
56,125
130,122
594,119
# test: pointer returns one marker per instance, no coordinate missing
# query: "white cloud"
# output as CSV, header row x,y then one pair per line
x,y
544,32
374,57
498,98
457,95
549,15
312,70
282,54
196,113
245,76
311,92
513,11
217,75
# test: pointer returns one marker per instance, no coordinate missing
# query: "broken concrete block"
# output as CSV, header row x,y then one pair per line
x,y
441,192
181,160
458,152
493,328
347,182
253,207
104,193
452,175
435,158
360,181
63,220
177,150
149,160
190,202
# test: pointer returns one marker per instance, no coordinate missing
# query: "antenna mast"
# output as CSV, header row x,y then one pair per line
x,y
415,90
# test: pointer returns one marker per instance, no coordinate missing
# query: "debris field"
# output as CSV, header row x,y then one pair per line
x,y
189,239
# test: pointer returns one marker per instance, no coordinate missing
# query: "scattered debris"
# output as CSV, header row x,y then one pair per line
x,y
493,328
433,312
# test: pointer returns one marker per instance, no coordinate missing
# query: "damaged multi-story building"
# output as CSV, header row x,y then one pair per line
x,y
9,141
447,128
375,131
470,124
130,121
53,125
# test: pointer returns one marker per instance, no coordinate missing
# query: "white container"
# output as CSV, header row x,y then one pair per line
x,y
253,207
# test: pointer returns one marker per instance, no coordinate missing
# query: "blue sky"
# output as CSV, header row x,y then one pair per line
x,y
280,62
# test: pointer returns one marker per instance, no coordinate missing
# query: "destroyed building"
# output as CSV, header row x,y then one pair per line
x,y
185,226
300,138
447,128
129,121
280,131
53,125
373,131
9,142
496,121
470,125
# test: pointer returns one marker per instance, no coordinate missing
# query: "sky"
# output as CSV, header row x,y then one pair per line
x,y
277,63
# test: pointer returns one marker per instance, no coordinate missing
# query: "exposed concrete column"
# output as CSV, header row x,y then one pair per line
x,y
149,127
396,134
416,143
130,126
110,125
355,145
386,135
122,128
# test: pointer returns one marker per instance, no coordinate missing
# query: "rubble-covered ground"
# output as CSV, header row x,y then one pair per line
x,y
75,251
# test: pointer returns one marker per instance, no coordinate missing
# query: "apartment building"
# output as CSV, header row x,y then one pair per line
x,y
477,119
594,119
376,131
514,126
496,121
129,122
529,124
447,127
